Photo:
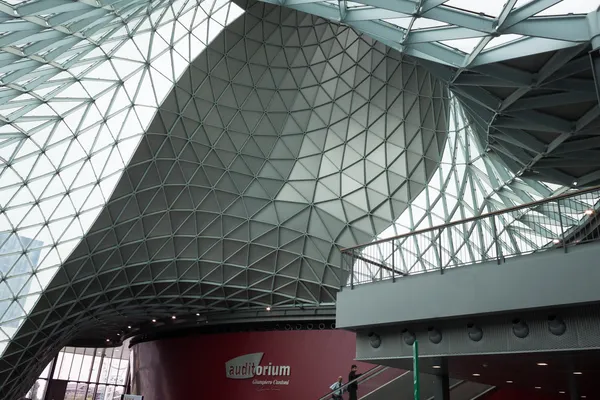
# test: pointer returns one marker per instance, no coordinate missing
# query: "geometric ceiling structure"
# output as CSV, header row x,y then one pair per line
x,y
287,138
539,113
520,68
79,84
461,33
472,181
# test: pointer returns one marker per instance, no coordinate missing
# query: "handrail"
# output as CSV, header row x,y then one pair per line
x,y
490,389
562,196
385,384
368,375
452,387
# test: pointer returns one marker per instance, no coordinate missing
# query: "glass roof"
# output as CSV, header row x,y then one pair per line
x,y
79,85
470,182
461,33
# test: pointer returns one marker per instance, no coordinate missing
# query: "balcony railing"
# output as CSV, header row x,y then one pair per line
x,y
556,222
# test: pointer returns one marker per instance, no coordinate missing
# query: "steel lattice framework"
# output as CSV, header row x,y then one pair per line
x,y
470,182
287,137
72,116
272,150
520,68
226,178
461,33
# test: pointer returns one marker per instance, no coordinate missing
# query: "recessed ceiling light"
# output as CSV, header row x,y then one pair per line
x,y
476,375
556,241
197,314
538,387
436,367
129,327
584,397
575,183
561,391
173,317
509,381
542,364
577,373
589,212
268,308
108,340
153,320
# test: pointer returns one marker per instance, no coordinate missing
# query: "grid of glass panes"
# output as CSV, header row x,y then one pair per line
x,y
38,390
91,374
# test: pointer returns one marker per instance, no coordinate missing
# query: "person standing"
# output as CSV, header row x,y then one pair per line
x,y
353,385
337,389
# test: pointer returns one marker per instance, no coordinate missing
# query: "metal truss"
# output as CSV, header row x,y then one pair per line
x,y
542,124
461,33
470,182
276,147
80,84
520,68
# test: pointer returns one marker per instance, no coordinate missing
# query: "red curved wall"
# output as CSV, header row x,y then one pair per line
x,y
194,367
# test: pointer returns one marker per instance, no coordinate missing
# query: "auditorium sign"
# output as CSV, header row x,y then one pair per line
x,y
249,366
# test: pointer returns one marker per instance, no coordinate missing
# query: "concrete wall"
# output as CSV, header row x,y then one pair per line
x,y
547,279
582,333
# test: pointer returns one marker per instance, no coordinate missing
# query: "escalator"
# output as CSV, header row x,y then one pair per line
x,y
467,390
402,388
371,380
385,383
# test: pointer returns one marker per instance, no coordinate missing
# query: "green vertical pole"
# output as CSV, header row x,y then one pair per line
x,y
416,369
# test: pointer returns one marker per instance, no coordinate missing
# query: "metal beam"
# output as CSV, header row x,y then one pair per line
x,y
443,33
556,62
508,8
480,96
552,100
543,122
520,138
528,10
482,80
522,48
461,18
427,5
370,14
570,27
595,61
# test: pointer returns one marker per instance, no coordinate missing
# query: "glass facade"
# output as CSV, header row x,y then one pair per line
x,y
74,108
89,374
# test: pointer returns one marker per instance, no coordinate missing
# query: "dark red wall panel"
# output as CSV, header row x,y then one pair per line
x,y
521,394
194,367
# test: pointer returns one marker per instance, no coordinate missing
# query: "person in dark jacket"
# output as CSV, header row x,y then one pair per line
x,y
353,386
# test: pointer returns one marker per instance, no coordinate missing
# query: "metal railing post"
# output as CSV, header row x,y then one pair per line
x,y
381,269
440,249
496,241
562,228
406,263
352,271
393,260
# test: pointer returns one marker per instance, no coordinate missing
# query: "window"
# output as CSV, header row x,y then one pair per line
x,y
91,373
